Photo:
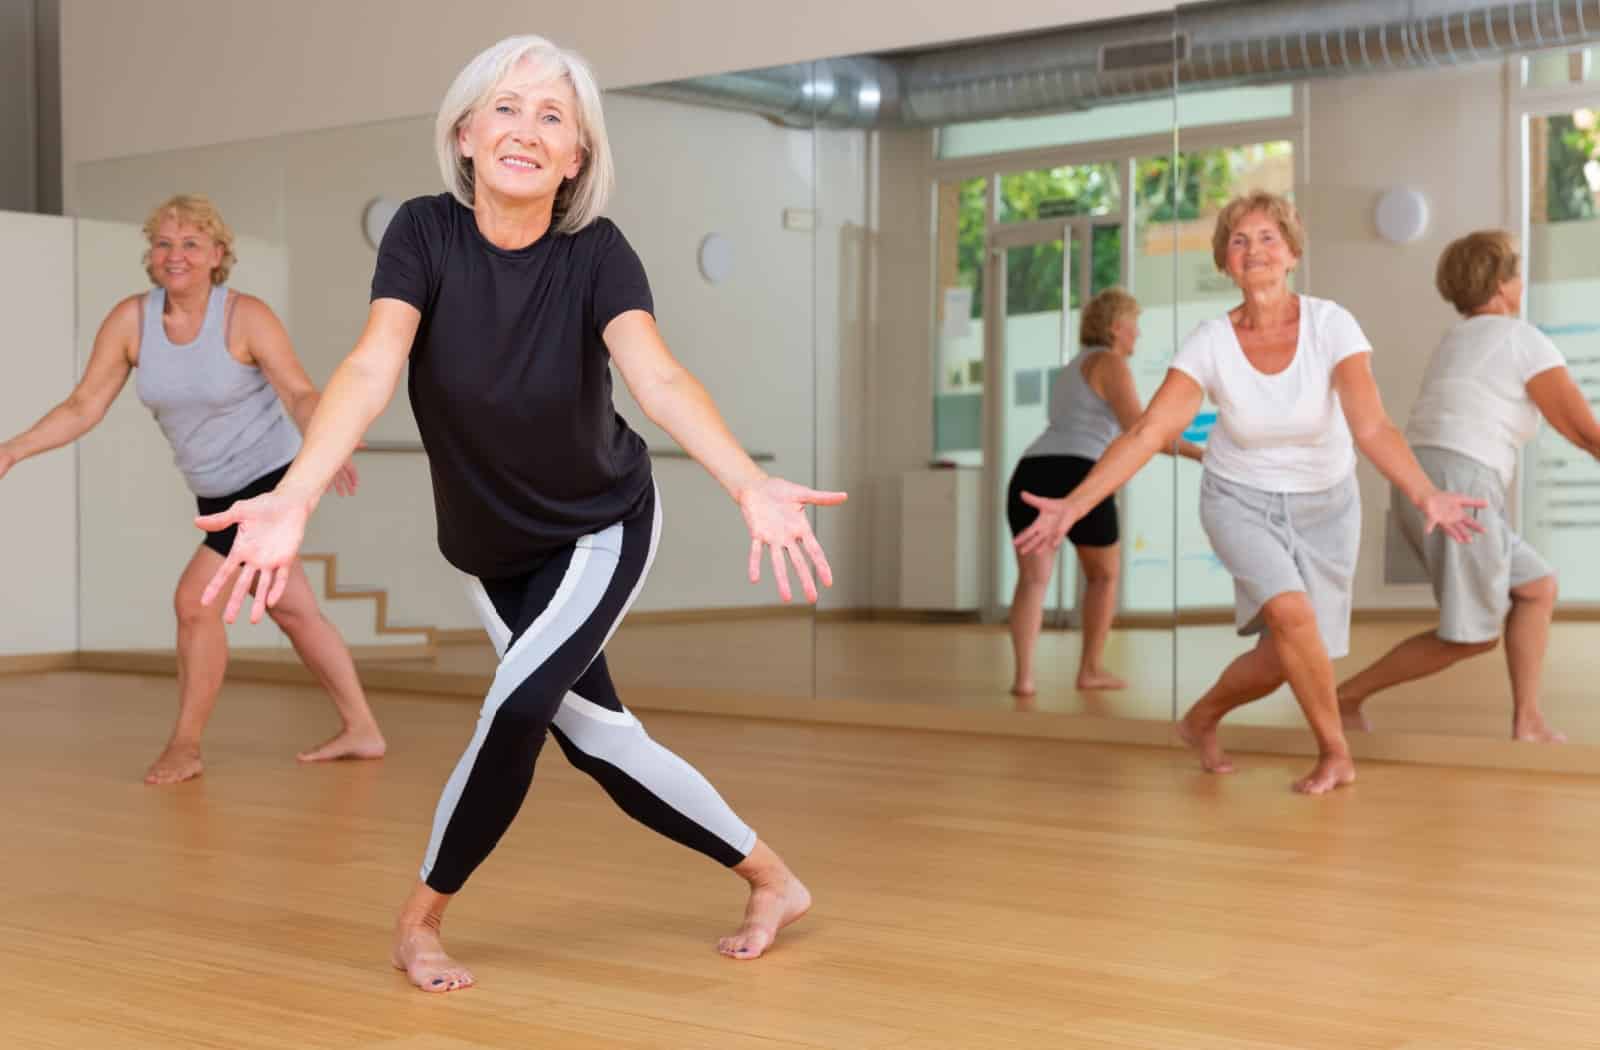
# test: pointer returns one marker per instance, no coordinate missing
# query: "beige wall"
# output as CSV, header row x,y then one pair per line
x,y
247,70
1443,133
899,375
38,524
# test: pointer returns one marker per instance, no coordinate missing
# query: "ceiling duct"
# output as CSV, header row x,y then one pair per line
x,y
1206,46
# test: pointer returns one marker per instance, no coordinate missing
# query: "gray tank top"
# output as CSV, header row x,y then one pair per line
x,y
223,419
1081,422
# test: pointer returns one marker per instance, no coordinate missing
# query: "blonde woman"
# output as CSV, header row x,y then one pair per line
x,y
510,298
1291,376
217,371
1489,382
1092,402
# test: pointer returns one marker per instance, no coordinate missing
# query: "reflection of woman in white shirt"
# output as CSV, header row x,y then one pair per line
x,y
1292,380
1486,387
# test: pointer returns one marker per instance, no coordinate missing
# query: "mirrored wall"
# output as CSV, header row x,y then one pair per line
x,y
879,267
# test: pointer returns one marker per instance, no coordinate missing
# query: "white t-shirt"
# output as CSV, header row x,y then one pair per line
x,y
1283,432
1474,397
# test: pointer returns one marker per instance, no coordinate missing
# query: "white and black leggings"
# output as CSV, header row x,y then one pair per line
x,y
550,627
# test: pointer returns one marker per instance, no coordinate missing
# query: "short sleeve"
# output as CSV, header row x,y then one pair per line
x,y
403,271
1341,335
1197,357
620,283
1535,352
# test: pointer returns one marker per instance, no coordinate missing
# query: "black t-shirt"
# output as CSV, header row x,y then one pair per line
x,y
511,383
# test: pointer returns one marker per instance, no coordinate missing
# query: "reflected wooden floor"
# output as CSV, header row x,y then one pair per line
x,y
969,666
974,893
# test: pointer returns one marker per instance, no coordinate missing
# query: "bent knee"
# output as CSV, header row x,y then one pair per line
x,y
1289,613
190,613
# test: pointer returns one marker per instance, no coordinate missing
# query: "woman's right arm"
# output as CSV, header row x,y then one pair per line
x,y
1565,408
1113,381
1170,411
272,526
110,363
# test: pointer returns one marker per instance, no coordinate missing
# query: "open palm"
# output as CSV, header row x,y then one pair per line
x,y
774,511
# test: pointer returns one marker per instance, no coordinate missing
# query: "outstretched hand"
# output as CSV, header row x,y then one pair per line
x,y
1055,520
7,460
345,482
271,528
774,511
1449,511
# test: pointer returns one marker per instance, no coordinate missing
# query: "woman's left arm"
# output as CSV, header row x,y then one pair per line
x,y
1382,442
773,509
267,343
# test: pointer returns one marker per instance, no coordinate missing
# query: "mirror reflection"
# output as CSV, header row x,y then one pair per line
x,y
940,279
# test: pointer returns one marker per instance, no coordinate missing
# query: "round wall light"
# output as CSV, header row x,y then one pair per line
x,y
375,219
716,258
1402,215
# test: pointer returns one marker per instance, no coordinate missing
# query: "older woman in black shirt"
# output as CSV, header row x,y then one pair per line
x,y
510,296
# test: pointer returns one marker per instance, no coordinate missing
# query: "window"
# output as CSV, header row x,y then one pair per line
x,y
1058,193
1561,485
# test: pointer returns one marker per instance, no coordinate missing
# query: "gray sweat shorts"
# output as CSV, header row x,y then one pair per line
x,y
1276,542
1472,582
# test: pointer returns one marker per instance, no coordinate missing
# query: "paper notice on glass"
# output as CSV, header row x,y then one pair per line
x,y
957,313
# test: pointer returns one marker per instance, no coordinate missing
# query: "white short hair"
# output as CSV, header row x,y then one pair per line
x,y
580,200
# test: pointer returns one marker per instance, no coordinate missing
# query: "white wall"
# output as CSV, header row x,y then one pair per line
x,y
844,412
38,521
899,372
297,65
1444,133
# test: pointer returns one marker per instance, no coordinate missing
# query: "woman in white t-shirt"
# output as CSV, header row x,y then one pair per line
x,y
1486,387
1292,381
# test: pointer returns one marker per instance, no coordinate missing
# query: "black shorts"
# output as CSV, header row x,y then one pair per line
x,y
222,542
1054,477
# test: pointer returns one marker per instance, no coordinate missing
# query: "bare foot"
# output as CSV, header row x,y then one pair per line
x,y
419,952
1331,771
777,899
1201,737
1023,690
179,762
1100,680
1352,717
1534,731
349,743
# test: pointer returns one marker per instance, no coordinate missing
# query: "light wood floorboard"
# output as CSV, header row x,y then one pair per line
x,y
972,893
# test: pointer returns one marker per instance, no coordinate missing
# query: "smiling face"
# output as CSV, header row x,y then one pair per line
x,y
1259,256
182,256
524,140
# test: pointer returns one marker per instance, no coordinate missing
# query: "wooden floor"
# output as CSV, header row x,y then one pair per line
x,y
972,893
969,666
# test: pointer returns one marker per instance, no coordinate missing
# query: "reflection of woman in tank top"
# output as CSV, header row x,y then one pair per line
x,y
217,370
1092,401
